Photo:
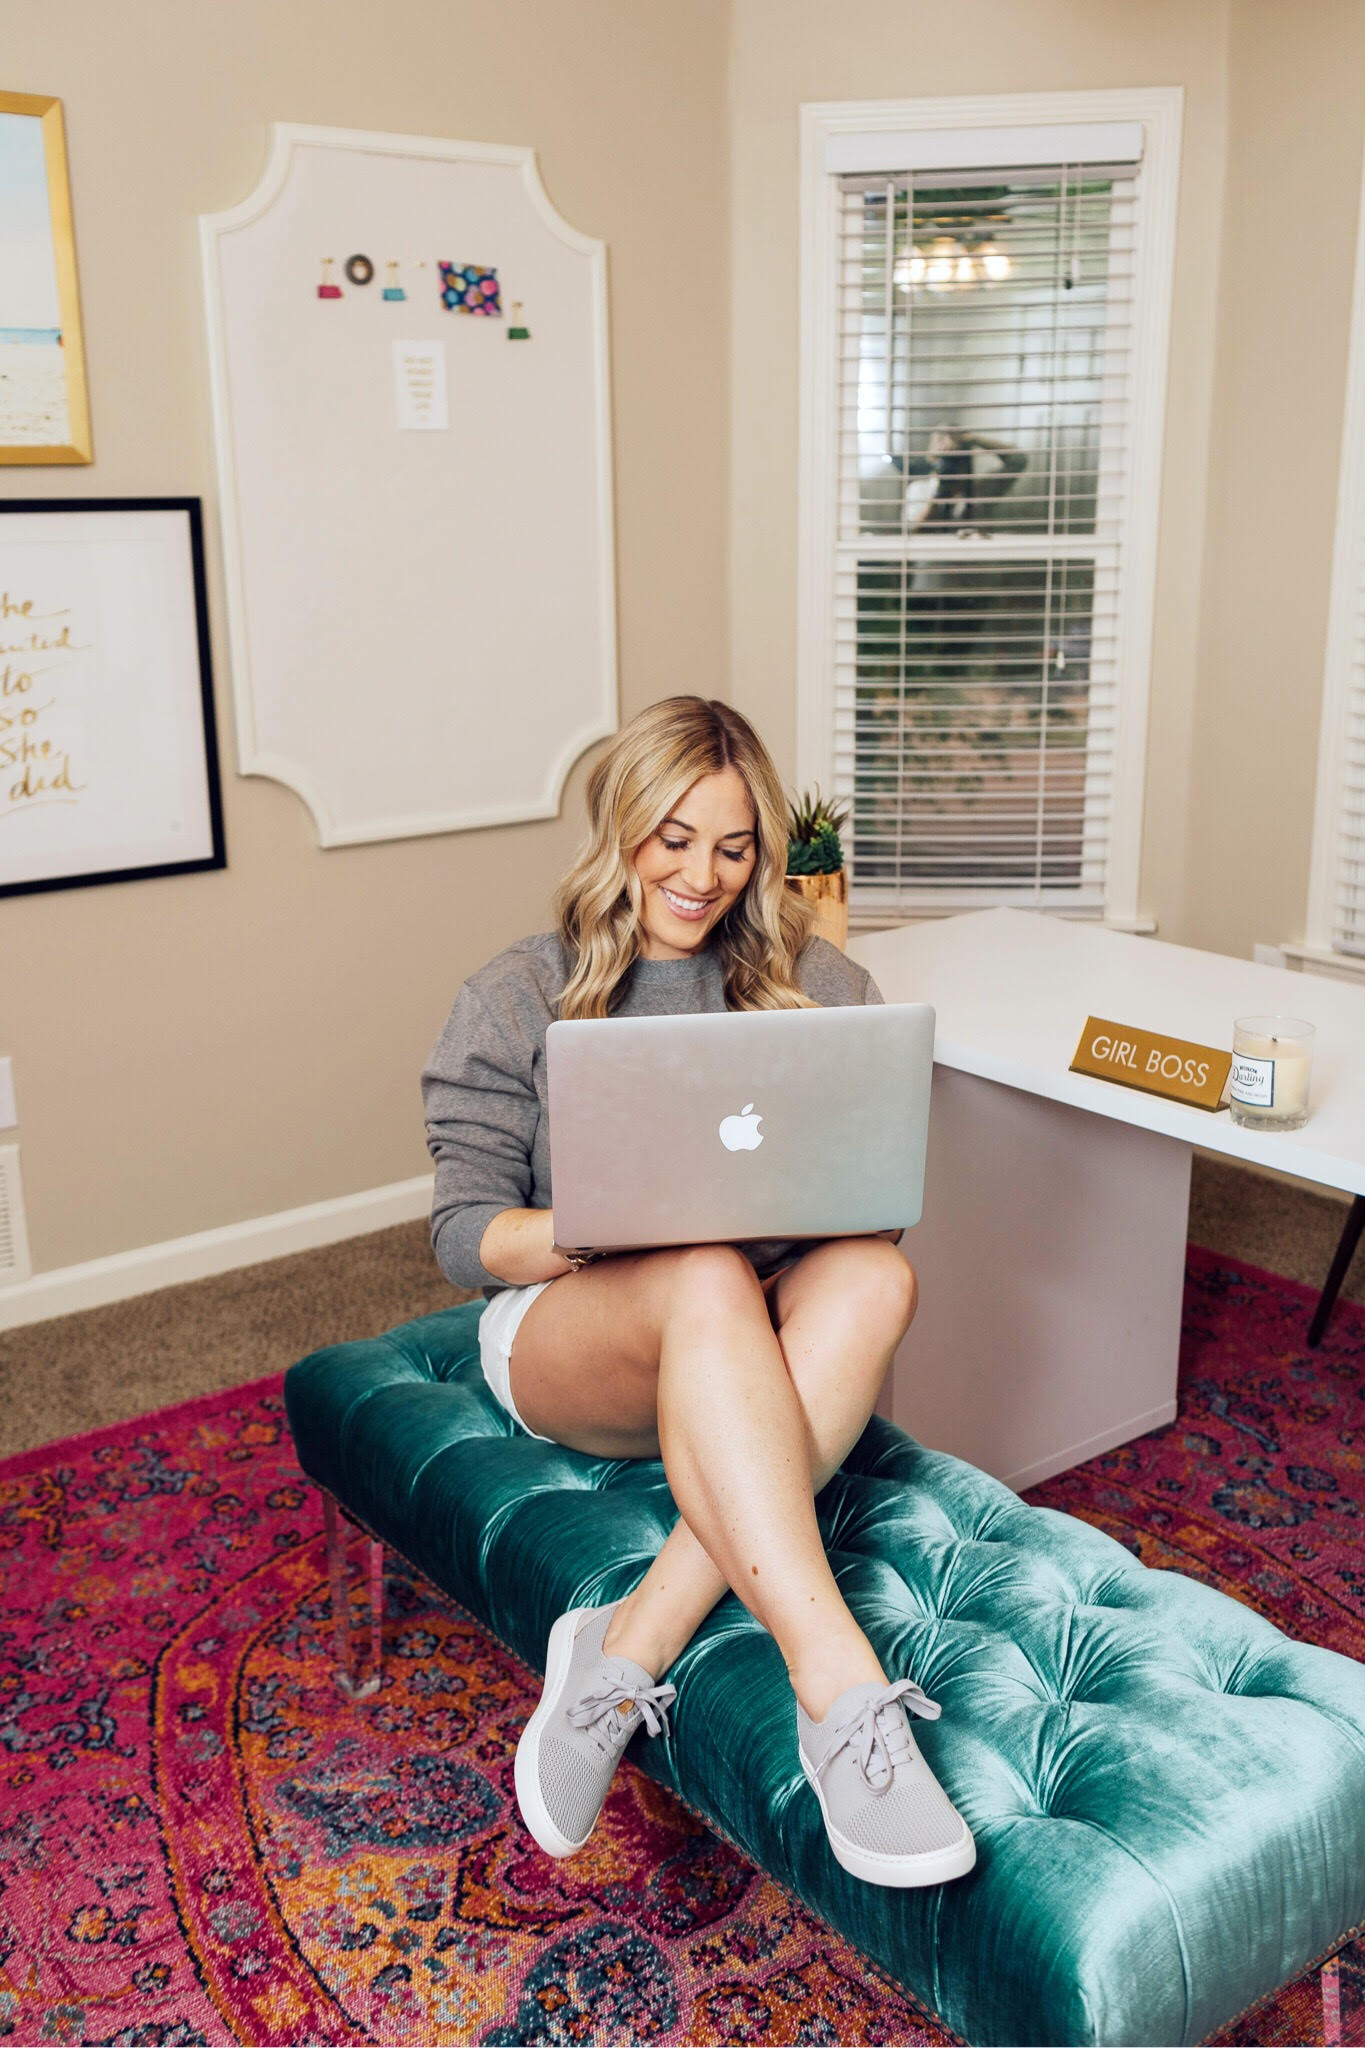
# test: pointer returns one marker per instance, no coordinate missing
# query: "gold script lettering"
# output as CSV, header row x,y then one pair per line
x,y
46,773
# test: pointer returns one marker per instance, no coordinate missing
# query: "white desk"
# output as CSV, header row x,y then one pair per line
x,y
1051,1253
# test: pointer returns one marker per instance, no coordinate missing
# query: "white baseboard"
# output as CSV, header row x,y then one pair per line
x,y
1323,960
69,1288
1107,1440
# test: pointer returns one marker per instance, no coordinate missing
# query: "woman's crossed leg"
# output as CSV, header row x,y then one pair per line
x,y
753,1398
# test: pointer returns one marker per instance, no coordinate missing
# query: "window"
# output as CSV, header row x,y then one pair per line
x,y
981,390
1336,898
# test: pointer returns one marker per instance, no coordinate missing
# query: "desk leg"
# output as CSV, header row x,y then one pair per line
x,y
1051,1262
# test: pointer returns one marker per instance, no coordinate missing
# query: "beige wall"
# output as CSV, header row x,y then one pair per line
x,y
206,1048
1274,121
1296,107
790,51
195,1051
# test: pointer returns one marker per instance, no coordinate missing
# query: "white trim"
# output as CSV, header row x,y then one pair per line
x,y
12,1199
286,137
817,493
1339,668
1323,959
1143,926
68,1289
960,149
1160,111
1092,1447
1021,110
868,917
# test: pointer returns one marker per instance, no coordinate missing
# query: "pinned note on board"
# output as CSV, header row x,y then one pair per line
x,y
419,381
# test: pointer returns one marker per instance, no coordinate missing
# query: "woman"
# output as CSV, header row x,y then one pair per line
x,y
751,1369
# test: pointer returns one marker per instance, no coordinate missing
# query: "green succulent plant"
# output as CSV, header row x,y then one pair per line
x,y
813,826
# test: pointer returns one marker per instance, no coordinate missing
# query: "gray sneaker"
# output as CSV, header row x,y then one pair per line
x,y
887,1817
569,1749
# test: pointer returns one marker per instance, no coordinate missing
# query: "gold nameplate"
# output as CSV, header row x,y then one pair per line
x,y
1196,1074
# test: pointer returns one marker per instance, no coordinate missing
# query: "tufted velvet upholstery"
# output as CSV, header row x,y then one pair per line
x,y
1168,1795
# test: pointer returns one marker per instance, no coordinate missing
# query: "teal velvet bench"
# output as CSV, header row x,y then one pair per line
x,y
1168,1794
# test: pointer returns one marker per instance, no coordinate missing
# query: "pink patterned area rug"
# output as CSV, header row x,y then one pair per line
x,y
1257,1488
202,1842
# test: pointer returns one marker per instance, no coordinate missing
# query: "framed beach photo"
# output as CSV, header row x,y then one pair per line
x,y
108,755
44,410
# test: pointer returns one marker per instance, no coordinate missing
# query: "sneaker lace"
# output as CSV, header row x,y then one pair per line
x,y
603,1714
882,1737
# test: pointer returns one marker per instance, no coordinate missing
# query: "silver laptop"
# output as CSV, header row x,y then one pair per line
x,y
746,1124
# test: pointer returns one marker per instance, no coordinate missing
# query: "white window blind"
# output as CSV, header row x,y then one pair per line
x,y
1346,908
984,356
1335,928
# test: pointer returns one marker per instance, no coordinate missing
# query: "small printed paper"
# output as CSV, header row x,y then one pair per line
x,y
419,380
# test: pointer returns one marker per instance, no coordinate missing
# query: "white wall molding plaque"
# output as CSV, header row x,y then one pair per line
x,y
422,624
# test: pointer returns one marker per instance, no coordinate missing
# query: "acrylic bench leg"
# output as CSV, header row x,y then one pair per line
x,y
1331,2002
348,1673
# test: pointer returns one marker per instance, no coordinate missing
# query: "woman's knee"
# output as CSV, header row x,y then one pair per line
x,y
881,1285
710,1281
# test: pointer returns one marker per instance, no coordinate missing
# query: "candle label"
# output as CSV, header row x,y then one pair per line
x,y
1174,1067
1253,1081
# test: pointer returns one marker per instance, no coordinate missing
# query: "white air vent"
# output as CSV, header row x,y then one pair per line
x,y
14,1258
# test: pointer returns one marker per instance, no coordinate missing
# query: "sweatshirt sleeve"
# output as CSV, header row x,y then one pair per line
x,y
831,979
870,991
481,1115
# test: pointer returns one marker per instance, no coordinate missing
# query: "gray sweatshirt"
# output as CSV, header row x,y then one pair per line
x,y
484,1091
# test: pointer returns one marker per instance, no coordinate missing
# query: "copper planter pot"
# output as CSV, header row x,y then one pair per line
x,y
827,896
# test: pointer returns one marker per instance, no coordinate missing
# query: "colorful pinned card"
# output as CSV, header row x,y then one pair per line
x,y
469,288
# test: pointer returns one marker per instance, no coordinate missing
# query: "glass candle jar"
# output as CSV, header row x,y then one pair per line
x,y
1272,1060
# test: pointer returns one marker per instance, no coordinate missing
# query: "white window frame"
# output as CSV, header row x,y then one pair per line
x,y
876,124
1339,671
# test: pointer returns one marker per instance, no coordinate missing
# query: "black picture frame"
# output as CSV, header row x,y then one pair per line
x,y
217,858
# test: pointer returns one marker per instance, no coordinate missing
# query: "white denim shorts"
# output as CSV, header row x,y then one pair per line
x,y
498,1326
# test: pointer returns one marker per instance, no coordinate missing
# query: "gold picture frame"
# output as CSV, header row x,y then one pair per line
x,y
44,404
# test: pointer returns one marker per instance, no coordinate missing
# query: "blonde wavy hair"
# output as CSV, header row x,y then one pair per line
x,y
636,784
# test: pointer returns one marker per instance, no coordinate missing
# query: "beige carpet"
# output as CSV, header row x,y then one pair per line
x,y
77,1372
1282,1225
80,1371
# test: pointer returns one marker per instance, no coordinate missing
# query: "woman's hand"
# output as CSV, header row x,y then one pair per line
x,y
518,1247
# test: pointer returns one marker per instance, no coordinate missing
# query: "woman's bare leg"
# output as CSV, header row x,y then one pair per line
x,y
750,1422
840,1313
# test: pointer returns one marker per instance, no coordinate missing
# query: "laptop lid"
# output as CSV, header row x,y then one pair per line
x,y
743,1124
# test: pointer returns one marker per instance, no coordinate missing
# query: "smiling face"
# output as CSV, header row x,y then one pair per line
x,y
695,864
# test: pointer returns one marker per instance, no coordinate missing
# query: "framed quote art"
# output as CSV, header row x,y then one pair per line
x,y
108,759
44,411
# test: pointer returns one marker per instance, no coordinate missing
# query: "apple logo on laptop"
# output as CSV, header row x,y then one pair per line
x,y
741,1133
